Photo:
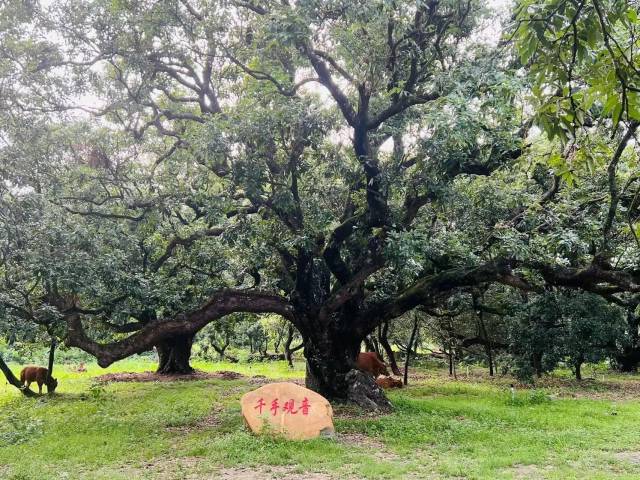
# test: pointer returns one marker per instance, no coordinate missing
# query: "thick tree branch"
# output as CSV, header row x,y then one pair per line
x,y
219,304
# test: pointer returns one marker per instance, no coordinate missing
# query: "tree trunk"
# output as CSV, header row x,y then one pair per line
x,y
288,354
222,352
331,371
537,363
489,353
412,340
52,352
368,345
11,378
628,360
384,341
578,368
174,354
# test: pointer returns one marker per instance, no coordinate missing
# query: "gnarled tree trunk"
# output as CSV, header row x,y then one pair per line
x,y
331,369
174,354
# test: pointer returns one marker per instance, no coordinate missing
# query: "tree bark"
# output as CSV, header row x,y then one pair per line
x,y
174,354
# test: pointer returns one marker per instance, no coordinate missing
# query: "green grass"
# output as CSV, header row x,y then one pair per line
x,y
471,428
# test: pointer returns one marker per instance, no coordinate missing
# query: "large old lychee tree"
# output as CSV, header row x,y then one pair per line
x,y
336,163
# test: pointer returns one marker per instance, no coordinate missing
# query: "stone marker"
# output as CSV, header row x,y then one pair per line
x,y
288,409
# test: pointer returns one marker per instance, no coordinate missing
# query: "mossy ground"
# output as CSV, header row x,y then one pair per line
x,y
441,428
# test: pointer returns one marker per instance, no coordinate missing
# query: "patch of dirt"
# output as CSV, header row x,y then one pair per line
x,y
368,443
260,380
195,468
165,469
268,473
628,456
210,421
526,472
155,377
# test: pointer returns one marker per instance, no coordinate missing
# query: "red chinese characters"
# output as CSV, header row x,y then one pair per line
x,y
274,406
260,405
305,406
289,406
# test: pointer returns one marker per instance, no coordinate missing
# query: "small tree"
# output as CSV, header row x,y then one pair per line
x,y
591,329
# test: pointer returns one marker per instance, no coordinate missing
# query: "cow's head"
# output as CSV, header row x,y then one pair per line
x,y
52,384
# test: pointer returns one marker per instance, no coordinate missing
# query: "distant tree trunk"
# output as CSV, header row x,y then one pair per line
x,y
384,341
288,356
262,349
483,332
368,344
536,361
489,353
288,351
52,351
174,354
222,352
11,378
628,359
410,347
578,367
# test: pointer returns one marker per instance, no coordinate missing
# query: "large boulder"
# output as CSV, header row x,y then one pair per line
x,y
287,409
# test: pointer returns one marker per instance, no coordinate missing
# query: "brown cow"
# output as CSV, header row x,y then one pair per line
x,y
370,363
388,382
39,375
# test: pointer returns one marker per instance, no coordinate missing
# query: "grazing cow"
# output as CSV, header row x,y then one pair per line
x,y
388,382
38,375
370,363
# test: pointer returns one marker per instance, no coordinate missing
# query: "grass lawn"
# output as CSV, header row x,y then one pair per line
x,y
441,428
